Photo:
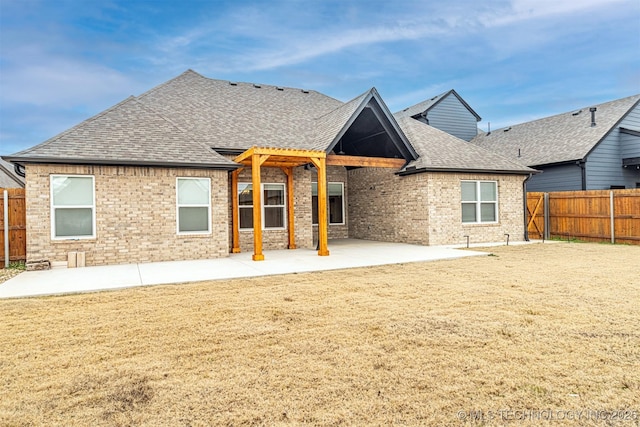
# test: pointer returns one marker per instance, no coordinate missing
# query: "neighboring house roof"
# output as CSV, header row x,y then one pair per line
x,y
425,106
440,151
8,176
557,139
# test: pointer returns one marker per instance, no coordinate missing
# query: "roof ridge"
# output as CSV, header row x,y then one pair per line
x,y
153,89
73,128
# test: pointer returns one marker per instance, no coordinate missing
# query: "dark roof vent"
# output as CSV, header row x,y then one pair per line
x,y
257,86
507,129
304,91
593,116
575,113
279,88
233,83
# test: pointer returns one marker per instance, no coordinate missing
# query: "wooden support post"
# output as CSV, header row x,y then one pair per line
x,y
290,208
321,166
257,208
235,212
613,217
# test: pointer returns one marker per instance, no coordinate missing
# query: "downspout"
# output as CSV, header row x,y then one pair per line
x,y
583,171
524,206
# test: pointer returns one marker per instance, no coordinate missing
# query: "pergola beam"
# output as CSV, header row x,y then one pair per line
x,y
359,161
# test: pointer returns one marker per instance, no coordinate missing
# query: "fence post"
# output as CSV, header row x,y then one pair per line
x,y
6,229
613,227
546,231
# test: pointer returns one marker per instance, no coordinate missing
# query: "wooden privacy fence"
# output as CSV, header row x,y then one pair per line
x,y
16,238
595,215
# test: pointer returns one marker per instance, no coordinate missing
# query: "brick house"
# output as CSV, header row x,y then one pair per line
x,y
169,175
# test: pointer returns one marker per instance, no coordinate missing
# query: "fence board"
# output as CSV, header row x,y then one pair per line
x,y
587,215
17,225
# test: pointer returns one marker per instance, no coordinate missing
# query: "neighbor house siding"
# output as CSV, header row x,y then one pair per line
x,y
451,116
604,163
556,178
135,216
425,208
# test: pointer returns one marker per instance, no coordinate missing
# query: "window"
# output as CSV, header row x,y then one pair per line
x,y
335,194
273,209
72,207
194,205
479,201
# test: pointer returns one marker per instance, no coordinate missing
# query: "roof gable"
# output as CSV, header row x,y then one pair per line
x,y
363,126
424,106
561,138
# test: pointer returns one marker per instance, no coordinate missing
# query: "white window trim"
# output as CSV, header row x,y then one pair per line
x,y
52,208
262,205
478,203
343,206
178,206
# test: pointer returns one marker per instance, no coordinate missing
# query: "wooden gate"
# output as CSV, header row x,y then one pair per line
x,y
535,215
17,225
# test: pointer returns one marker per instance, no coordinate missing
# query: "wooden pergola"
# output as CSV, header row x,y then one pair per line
x,y
287,159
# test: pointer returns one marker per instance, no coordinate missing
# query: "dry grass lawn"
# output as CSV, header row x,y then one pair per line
x,y
553,327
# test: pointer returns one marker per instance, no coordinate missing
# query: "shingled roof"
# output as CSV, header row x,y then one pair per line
x,y
428,104
560,138
440,151
239,116
127,133
184,121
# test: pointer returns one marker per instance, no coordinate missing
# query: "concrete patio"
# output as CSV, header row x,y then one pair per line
x,y
347,253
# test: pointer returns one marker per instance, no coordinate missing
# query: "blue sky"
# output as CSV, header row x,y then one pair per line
x,y
512,60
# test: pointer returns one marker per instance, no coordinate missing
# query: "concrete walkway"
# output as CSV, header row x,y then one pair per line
x,y
347,253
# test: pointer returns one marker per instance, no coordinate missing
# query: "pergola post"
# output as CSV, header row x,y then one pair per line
x,y
321,166
257,208
290,208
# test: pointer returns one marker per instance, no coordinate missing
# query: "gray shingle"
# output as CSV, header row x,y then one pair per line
x,y
560,138
240,116
128,132
439,150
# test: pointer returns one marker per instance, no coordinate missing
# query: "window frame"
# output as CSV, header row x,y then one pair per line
x,y
192,205
479,202
263,206
53,207
344,216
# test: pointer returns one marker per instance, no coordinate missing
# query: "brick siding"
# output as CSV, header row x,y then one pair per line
x,y
425,208
135,216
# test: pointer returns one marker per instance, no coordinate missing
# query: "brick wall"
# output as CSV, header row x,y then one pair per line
x,y
445,210
135,216
425,208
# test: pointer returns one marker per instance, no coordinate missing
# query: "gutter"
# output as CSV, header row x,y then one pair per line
x,y
104,162
410,171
